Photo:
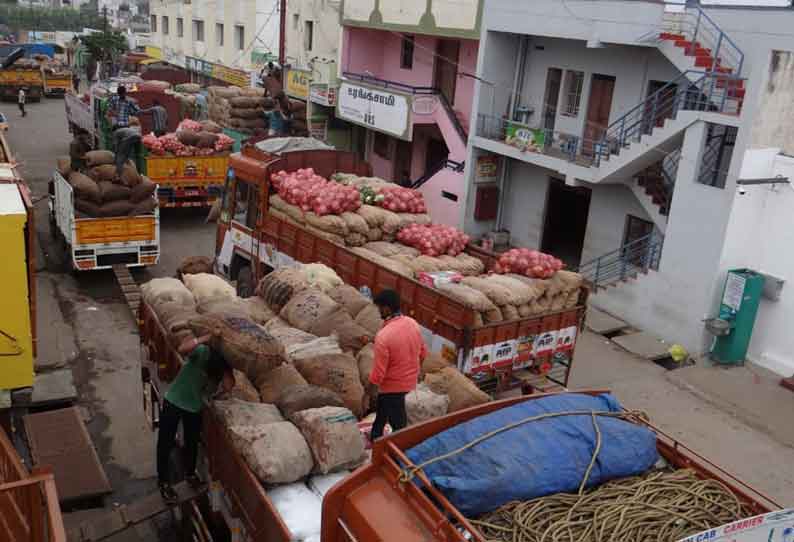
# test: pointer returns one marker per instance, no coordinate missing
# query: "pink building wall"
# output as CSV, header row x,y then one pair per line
x,y
464,90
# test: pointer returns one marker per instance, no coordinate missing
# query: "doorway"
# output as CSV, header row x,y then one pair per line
x,y
445,74
565,224
655,117
551,97
599,106
402,163
636,230
436,154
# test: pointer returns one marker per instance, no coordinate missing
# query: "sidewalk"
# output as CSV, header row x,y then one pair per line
x,y
735,419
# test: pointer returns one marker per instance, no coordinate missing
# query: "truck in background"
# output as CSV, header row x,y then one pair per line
x,y
14,78
101,243
192,181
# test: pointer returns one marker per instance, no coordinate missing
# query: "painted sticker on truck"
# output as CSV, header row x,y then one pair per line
x,y
772,527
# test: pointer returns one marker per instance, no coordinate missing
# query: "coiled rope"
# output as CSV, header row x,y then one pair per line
x,y
662,506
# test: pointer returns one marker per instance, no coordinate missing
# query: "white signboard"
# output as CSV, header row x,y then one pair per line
x,y
377,109
734,291
771,527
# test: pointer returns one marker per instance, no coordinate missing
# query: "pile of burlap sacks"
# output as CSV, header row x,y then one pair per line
x,y
498,298
301,351
238,108
100,192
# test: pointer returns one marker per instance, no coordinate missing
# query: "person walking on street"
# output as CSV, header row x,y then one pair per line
x,y
399,351
22,97
203,370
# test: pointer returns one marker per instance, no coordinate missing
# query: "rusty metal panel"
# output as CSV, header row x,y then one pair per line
x,y
59,439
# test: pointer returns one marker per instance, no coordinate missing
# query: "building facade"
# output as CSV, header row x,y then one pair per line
x,y
614,135
311,72
407,72
235,34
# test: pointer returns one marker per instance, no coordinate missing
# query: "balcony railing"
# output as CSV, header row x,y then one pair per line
x,y
28,503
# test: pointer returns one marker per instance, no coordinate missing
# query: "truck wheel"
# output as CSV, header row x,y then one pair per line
x,y
245,282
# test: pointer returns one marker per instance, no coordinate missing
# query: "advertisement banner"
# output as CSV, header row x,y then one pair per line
x,y
384,111
153,52
298,83
322,94
486,169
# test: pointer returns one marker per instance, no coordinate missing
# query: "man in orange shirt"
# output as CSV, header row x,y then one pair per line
x,y
399,351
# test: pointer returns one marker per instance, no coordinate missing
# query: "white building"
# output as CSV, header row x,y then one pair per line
x,y
223,32
620,141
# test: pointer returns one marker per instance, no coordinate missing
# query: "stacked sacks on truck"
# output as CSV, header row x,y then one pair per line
x,y
101,192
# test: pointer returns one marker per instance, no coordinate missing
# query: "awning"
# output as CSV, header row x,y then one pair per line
x,y
150,61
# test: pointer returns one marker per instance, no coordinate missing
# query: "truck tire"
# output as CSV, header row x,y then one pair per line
x,y
245,282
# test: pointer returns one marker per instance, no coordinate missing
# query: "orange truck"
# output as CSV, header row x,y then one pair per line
x,y
371,503
101,243
534,352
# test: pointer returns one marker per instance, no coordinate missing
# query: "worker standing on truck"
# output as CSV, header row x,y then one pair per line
x,y
183,402
21,99
399,351
278,118
159,118
120,110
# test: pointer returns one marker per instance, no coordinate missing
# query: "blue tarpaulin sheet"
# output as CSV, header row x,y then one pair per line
x,y
537,458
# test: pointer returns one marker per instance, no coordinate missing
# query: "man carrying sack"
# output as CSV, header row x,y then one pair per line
x,y
399,351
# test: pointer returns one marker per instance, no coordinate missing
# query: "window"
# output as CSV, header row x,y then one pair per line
x,y
252,216
308,35
407,53
381,145
198,30
239,37
240,201
165,25
219,34
180,27
573,92
153,23
296,19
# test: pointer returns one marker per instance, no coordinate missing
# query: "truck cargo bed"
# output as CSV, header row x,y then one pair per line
x,y
364,506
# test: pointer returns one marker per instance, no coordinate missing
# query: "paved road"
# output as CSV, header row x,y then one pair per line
x,y
83,323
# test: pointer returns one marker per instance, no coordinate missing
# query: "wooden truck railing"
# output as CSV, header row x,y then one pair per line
x,y
29,510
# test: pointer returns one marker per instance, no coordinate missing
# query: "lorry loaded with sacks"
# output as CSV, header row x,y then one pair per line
x,y
500,320
287,458
188,162
101,218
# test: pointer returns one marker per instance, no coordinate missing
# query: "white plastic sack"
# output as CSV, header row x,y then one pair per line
x,y
322,483
300,508
165,290
204,287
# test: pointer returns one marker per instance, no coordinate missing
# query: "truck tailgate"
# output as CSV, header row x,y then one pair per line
x,y
187,170
92,231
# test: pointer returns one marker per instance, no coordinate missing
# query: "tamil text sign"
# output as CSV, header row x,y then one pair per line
x,y
380,110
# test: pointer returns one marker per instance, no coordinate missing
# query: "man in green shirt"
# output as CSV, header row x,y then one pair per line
x,y
202,371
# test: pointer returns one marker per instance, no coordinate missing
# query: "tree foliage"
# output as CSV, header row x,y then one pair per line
x,y
105,45
18,17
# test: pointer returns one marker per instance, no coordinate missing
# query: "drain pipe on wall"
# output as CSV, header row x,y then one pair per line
x,y
518,83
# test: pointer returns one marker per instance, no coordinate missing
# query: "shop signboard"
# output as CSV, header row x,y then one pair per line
x,y
298,83
232,76
375,108
153,52
198,65
487,169
322,94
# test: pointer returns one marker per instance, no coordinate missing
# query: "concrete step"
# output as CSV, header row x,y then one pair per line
x,y
644,345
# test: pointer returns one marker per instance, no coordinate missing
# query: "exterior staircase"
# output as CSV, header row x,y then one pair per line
x,y
624,264
654,187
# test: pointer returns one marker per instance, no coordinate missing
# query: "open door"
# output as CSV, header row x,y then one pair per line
x,y
446,69
599,107
565,224
402,163
551,97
